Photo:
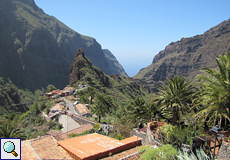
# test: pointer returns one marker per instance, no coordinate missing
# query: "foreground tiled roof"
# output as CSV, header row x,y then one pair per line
x,y
43,148
94,146
27,151
130,154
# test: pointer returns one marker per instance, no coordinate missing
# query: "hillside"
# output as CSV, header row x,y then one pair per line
x,y
115,66
187,56
37,49
83,71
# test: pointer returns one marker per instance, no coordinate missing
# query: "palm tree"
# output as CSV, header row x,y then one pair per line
x,y
138,110
7,131
216,92
177,96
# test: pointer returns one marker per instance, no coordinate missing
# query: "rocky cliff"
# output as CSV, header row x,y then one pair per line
x,y
36,49
82,70
187,56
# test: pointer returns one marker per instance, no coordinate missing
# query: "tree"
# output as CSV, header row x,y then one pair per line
x,y
215,84
177,96
84,99
104,105
138,110
50,88
90,91
7,131
100,110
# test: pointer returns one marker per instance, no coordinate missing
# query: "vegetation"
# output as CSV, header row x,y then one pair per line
x,y
178,135
200,155
175,98
195,105
160,153
7,131
215,85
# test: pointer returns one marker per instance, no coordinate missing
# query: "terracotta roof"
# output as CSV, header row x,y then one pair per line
x,y
76,131
27,152
82,109
68,89
92,146
130,139
43,148
71,97
128,154
54,132
58,100
57,107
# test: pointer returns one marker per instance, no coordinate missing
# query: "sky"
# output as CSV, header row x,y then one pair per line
x,y
136,30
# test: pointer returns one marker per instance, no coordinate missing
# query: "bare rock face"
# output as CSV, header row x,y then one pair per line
x,y
189,55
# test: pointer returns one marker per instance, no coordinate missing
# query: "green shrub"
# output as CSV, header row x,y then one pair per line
x,y
59,126
96,126
119,137
165,152
143,149
47,111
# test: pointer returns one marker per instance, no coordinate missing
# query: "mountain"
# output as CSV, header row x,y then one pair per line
x,y
83,71
115,66
37,49
188,56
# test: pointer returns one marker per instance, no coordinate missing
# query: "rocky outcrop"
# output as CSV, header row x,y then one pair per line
x,y
36,49
82,69
189,55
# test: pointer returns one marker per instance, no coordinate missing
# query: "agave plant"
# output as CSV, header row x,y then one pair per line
x,y
199,152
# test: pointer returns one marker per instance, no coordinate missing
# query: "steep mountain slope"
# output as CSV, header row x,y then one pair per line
x,y
82,70
114,65
36,49
187,56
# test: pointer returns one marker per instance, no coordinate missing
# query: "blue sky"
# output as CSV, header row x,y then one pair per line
x,y
136,30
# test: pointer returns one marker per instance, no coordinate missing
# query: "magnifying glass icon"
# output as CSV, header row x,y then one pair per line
x,y
9,147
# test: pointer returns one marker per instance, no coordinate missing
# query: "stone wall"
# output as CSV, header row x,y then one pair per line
x,y
83,120
139,134
224,152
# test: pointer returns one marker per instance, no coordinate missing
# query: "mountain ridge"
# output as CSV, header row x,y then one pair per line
x,y
37,49
188,56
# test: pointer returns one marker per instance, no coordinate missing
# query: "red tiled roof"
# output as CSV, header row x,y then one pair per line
x,y
57,107
54,132
93,146
27,152
82,109
68,89
43,148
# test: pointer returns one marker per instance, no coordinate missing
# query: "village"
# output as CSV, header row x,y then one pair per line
x,y
74,118
92,141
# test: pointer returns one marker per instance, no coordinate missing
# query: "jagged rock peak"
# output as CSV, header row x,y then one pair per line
x,y
80,53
